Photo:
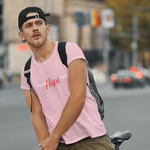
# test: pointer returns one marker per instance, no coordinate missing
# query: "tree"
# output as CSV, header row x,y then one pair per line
x,y
123,11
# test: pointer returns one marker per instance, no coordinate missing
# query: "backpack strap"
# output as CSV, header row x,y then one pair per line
x,y
92,85
27,71
62,53
91,80
63,57
27,75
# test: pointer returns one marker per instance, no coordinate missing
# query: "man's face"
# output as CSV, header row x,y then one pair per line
x,y
34,31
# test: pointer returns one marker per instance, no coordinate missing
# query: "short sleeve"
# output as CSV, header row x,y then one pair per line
x,y
24,84
73,52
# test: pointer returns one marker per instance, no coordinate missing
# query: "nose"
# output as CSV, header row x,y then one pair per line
x,y
35,28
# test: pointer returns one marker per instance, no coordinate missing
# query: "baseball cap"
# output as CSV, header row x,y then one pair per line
x,y
22,16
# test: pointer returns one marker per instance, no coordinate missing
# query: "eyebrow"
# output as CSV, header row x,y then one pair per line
x,y
30,22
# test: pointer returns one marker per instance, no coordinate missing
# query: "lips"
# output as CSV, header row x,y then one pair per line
x,y
36,35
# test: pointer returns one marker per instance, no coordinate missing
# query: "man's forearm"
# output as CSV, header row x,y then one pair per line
x,y
69,115
40,127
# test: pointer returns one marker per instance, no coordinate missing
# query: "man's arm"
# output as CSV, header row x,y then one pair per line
x,y
37,116
77,84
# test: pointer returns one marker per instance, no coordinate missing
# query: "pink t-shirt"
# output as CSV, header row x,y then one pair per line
x,y
50,82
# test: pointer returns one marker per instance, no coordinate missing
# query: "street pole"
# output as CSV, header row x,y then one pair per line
x,y
105,45
134,44
107,19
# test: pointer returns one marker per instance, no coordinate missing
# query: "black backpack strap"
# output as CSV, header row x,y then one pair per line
x,y
27,71
62,53
92,85
27,75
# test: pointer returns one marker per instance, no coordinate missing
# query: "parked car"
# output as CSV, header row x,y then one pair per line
x,y
146,74
123,78
9,75
1,78
127,78
139,75
149,72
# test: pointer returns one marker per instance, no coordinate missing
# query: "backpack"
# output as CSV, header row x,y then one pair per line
x,y
92,85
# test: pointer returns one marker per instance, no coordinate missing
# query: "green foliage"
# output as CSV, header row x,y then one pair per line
x,y
123,10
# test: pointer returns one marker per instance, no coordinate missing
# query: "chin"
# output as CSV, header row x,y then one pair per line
x,y
37,43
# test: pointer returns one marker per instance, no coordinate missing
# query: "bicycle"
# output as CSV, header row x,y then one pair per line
x,y
118,138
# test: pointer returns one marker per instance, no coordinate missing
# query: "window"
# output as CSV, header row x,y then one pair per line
x,y
1,20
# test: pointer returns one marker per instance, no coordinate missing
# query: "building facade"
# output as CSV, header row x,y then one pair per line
x,y
14,53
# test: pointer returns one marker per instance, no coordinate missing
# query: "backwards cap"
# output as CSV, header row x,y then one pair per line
x,y
22,16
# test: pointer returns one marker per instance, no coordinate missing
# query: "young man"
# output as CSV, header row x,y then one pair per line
x,y
64,113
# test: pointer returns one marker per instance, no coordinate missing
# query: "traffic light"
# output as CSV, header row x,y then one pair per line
x,y
80,18
95,18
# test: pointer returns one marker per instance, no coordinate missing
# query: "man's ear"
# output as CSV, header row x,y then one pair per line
x,y
21,35
48,29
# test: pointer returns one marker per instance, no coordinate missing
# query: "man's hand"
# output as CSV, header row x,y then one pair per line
x,y
49,144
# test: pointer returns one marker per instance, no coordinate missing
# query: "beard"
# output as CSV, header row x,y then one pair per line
x,y
36,44
39,42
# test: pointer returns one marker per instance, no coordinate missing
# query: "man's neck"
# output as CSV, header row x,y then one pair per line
x,y
42,53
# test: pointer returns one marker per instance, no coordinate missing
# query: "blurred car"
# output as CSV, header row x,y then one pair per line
x,y
139,75
146,74
99,76
125,78
8,75
1,78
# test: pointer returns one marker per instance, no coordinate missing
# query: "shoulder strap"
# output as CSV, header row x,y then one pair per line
x,y
27,71
27,75
62,53
63,56
92,81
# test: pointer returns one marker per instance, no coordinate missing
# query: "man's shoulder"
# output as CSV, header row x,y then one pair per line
x,y
27,64
72,45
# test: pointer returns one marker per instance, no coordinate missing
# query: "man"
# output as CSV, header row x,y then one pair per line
x,y
64,113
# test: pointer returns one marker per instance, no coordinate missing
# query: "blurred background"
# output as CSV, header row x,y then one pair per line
x,y
115,38
113,34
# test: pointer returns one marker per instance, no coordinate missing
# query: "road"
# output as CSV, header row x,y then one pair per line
x,y
125,109
128,109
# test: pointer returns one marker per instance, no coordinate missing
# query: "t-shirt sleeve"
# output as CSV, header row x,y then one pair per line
x,y
24,84
73,52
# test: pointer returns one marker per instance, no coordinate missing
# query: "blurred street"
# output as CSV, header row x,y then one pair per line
x,y
125,109
115,39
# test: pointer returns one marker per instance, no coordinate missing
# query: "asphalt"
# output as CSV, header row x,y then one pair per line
x,y
125,109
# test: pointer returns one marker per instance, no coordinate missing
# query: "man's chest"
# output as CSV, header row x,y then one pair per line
x,y
48,77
